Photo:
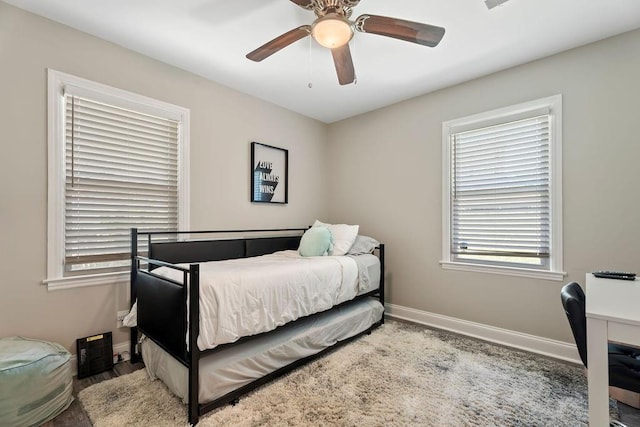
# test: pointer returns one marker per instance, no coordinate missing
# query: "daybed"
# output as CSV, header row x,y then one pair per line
x,y
220,317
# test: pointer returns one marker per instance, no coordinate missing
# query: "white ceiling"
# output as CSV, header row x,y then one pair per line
x,y
212,37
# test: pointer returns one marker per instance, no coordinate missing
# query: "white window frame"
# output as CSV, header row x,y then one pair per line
x,y
57,82
551,105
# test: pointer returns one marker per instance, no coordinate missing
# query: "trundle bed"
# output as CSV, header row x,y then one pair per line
x,y
218,317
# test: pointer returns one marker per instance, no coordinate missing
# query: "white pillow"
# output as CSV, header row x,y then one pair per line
x,y
343,236
363,245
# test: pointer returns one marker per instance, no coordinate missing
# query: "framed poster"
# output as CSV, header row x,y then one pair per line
x,y
269,174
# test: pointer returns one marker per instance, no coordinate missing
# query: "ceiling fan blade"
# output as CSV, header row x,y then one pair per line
x,y
307,4
344,64
282,41
414,32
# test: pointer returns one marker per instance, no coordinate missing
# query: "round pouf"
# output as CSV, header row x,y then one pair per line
x,y
35,381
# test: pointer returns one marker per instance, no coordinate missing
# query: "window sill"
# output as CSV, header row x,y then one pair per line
x,y
72,282
508,271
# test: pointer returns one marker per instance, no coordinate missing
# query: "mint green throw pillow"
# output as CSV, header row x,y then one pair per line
x,y
316,241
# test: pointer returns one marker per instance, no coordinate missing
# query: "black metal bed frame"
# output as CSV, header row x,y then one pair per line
x,y
162,302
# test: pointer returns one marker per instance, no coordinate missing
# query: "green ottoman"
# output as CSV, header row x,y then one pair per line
x,y
35,381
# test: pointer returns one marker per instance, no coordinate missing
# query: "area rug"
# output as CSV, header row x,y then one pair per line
x,y
400,375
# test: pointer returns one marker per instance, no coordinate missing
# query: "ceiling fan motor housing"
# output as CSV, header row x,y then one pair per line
x,y
341,7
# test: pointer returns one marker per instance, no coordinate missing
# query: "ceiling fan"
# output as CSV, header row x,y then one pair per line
x,y
333,30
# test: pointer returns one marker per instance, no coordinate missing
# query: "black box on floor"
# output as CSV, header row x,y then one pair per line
x,y
95,354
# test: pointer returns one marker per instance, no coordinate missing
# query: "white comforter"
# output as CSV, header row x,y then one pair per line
x,y
242,297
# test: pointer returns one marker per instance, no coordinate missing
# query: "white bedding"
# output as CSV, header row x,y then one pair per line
x,y
247,296
368,272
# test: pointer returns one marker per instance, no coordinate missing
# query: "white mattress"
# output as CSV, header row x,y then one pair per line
x,y
248,296
238,365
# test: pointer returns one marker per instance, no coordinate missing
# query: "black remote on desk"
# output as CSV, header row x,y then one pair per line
x,y
621,275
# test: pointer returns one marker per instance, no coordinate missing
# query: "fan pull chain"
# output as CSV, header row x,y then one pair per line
x,y
310,85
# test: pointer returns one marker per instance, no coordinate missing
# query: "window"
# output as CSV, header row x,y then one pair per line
x,y
116,160
502,198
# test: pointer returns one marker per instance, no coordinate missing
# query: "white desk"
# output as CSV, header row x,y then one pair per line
x,y
613,314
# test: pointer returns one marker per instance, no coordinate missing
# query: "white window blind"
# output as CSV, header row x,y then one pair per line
x,y
121,171
500,193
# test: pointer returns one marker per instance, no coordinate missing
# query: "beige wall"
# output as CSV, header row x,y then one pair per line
x,y
223,123
384,171
386,174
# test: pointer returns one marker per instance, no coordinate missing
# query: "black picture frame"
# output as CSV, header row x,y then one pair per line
x,y
269,174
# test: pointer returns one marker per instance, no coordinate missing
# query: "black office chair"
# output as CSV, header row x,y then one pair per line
x,y
624,362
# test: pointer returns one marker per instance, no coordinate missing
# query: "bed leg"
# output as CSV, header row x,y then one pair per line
x,y
194,351
133,351
194,412
382,274
133,294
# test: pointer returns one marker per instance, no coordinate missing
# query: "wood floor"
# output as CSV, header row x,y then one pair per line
x,y
629,416
75,416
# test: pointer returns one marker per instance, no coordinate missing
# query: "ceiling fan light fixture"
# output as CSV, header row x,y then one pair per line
x,y
332,30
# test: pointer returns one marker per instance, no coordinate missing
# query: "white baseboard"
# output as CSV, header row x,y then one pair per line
x,y
122,348
534,344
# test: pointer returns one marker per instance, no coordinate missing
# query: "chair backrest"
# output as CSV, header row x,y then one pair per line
x,y
573,301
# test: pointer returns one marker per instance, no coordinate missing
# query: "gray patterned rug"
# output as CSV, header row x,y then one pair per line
x,y
400,375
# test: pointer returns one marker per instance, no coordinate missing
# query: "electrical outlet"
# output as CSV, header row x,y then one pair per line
x,y
120,317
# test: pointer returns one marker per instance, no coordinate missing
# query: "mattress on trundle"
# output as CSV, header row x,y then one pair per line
x,y
235,366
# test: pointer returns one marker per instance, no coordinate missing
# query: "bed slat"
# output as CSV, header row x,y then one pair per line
x,y
197,251
258,246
